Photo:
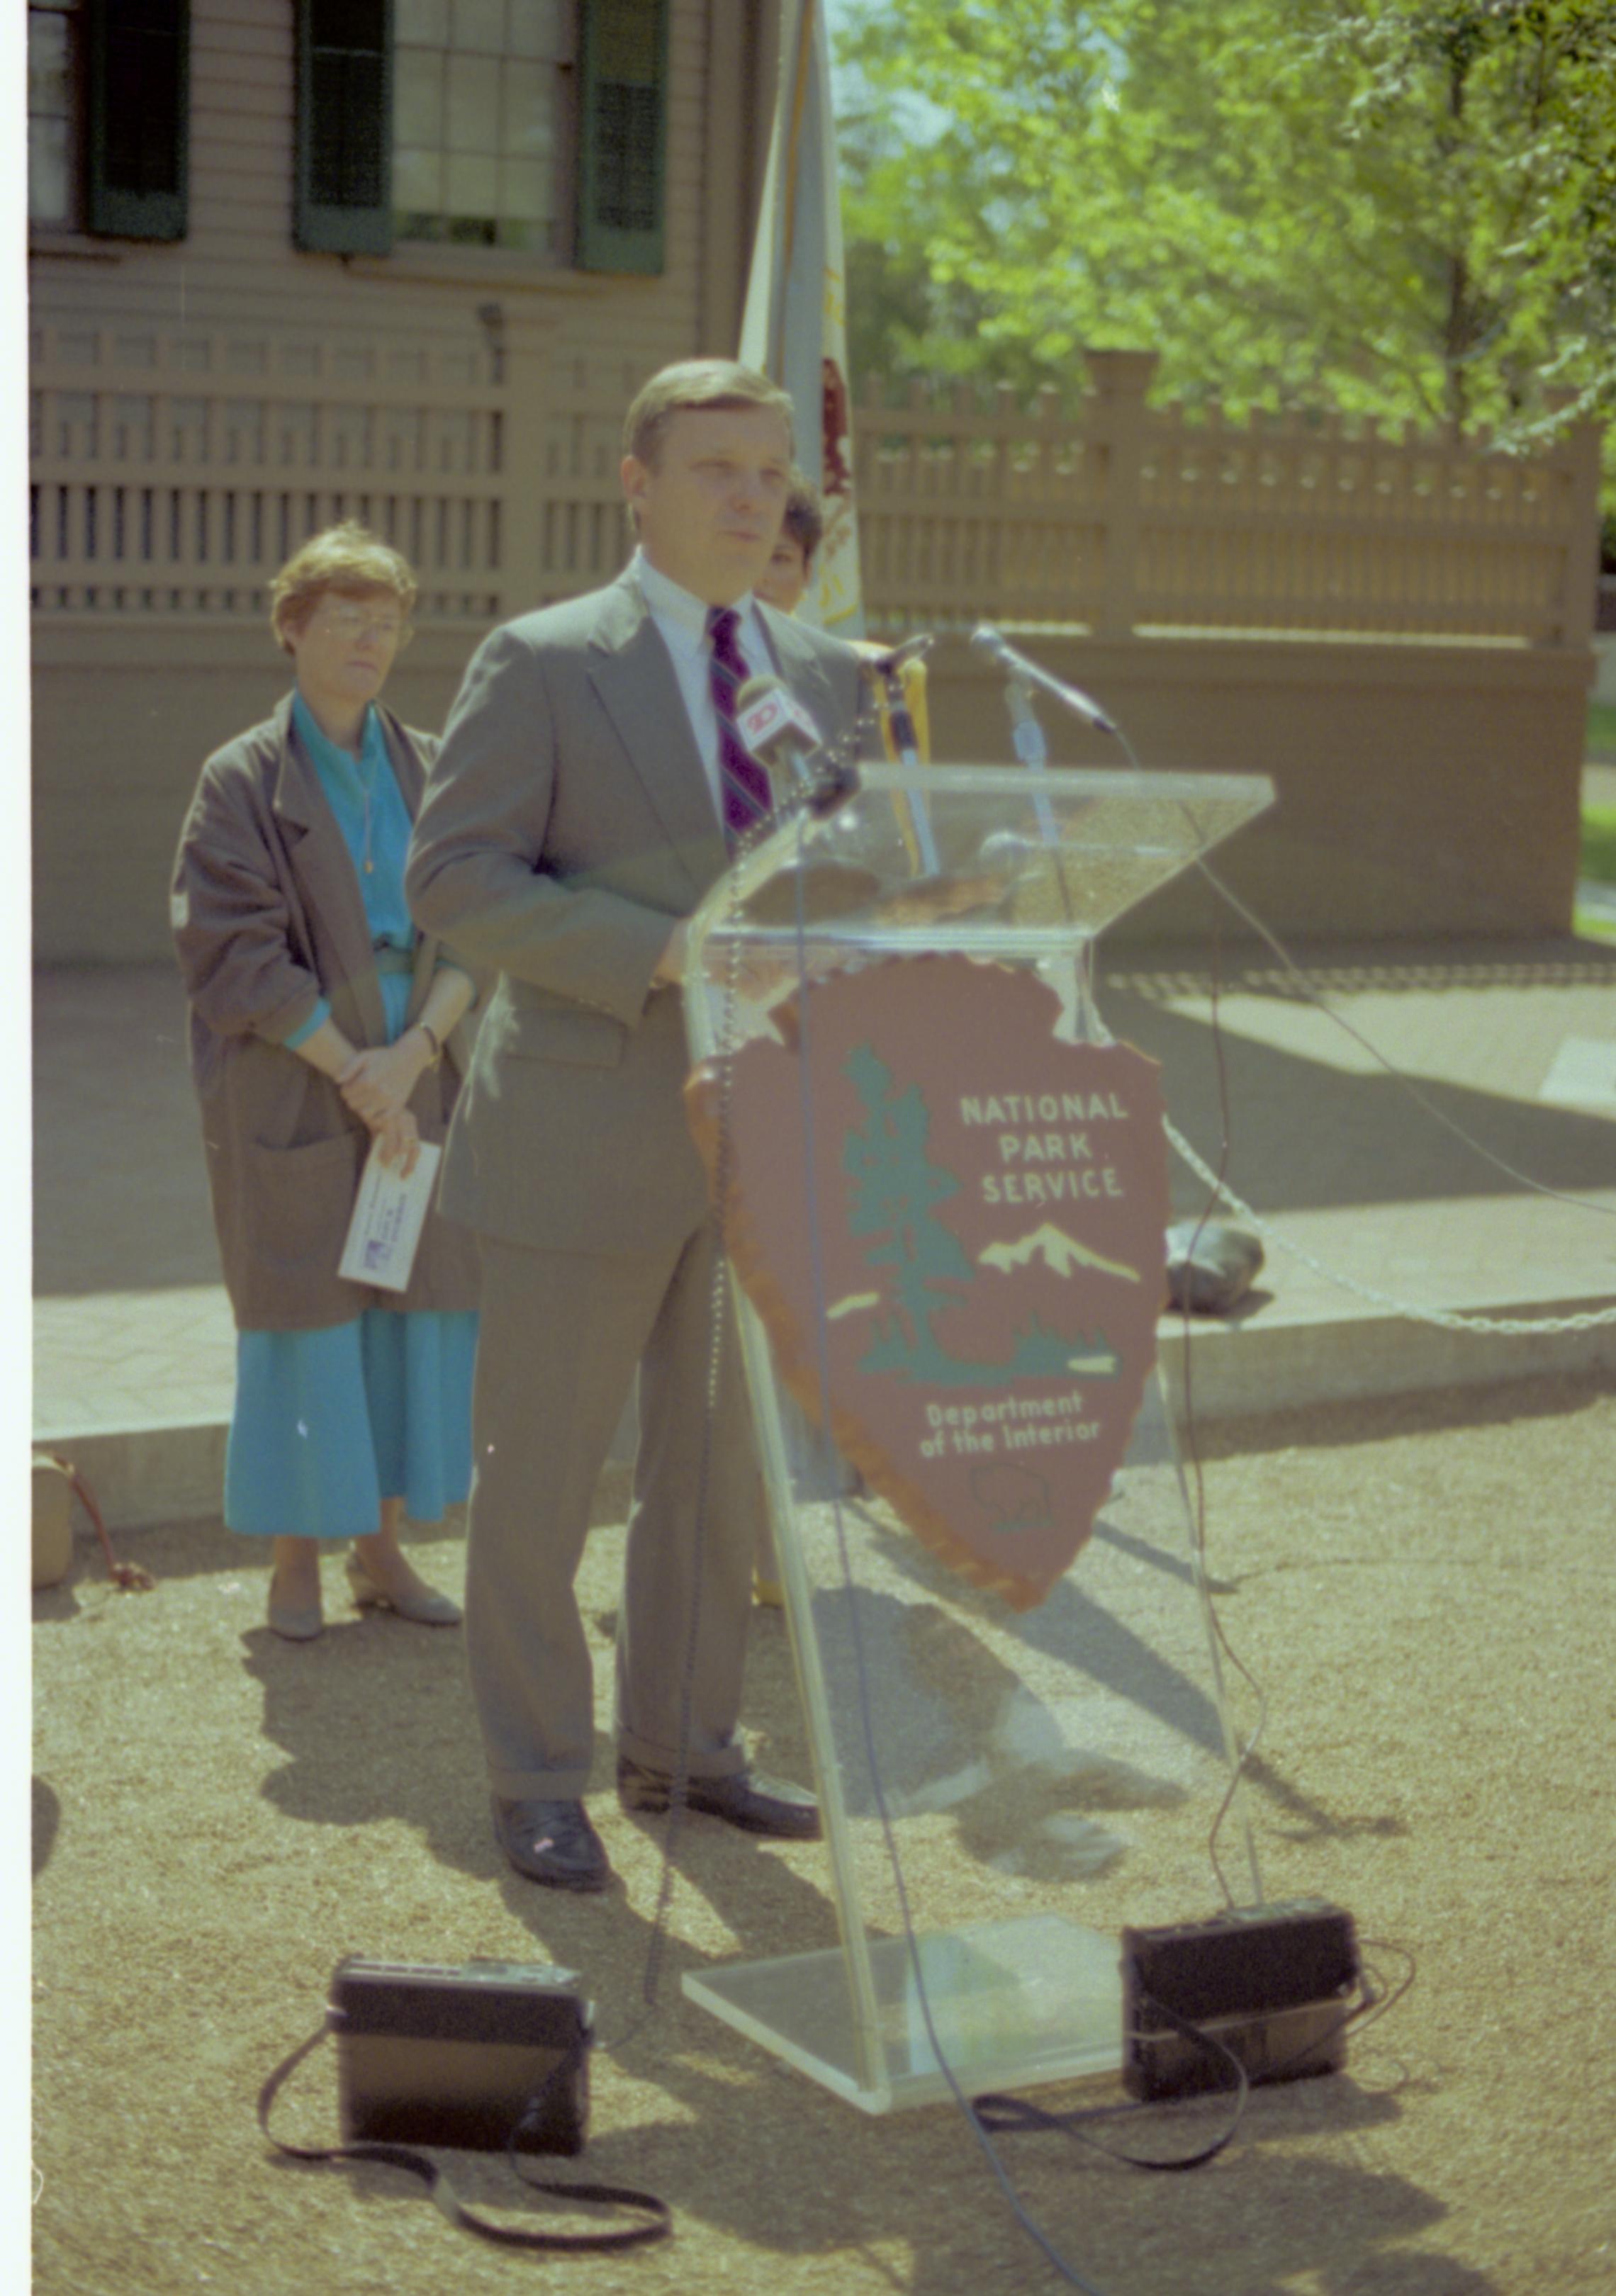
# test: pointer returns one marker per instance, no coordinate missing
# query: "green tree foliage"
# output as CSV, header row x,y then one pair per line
x,y
1402,208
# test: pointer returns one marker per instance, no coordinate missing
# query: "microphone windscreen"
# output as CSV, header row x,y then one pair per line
x,y
895,658
755,688
770,720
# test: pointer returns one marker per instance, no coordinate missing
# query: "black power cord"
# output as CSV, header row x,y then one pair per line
x,y
999,2115
1009,2115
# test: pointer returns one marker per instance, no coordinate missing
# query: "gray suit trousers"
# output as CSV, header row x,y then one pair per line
x,y
560,1336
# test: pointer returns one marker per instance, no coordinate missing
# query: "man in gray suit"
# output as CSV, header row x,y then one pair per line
x,y
578,811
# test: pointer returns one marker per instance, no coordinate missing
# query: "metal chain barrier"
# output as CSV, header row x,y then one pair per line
x,y
1447,1319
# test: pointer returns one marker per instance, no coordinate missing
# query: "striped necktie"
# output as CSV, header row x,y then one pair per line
x,y
744,783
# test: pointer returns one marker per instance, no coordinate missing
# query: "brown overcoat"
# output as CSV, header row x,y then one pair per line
x,y
268,918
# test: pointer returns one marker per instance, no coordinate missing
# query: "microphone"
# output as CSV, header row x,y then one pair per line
x,y
780,733
776,728
1022,672
888,662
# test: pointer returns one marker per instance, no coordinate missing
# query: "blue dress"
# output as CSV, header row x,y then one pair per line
x,y
328,1423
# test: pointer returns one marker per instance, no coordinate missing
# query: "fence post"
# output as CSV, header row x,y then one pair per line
x,y
1579,456
1114,428
520,362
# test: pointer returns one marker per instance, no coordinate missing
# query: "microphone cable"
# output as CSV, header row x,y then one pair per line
x,y
1068,2271
720,1333
996,2114
1422,1100
1248,917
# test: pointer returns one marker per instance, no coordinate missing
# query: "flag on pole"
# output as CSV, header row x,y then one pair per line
x,y
794,330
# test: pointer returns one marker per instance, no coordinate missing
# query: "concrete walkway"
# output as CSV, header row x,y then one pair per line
x,y
1515,1044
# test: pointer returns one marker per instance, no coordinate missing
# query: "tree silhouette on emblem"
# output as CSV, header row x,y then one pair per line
x,y
895,1190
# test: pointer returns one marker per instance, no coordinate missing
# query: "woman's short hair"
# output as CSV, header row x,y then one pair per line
x,y
803,519
705,382
349,559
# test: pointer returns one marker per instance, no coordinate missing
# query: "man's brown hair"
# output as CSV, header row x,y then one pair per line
x,y
708,382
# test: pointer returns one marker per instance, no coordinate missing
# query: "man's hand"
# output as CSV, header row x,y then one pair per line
x,y
761,975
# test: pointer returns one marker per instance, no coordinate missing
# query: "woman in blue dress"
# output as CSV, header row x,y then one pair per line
x,y
322,1023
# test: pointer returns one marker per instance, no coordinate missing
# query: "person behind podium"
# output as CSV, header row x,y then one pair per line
x,y
587,795
786,581
321,1021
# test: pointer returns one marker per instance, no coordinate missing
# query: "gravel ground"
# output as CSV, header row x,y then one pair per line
x,y
1423,1587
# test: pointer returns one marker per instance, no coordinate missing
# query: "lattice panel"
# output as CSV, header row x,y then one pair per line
x,y
1121,517
178,475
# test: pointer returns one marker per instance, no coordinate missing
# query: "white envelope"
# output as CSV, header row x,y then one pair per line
x,y
388,1215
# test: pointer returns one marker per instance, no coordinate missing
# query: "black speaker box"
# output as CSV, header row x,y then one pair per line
x,y
1272,1984
434,2054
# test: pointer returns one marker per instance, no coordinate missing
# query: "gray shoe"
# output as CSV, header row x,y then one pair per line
x,y
295,1626
429,1608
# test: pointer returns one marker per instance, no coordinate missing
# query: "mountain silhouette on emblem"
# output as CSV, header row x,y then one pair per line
x,y
1057,1250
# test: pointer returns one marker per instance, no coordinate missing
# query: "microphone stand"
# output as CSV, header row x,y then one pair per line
x,y
1032,749
1032,744
907,746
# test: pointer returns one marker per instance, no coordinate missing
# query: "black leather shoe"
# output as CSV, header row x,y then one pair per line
x,y
756,1805
552,1842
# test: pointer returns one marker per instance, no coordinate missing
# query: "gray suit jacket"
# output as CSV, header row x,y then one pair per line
x,y
567,824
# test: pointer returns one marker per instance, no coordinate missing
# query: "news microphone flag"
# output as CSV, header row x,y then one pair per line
x,y
794,330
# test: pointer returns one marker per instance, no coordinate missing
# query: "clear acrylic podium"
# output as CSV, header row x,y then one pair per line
x,y
1002,1792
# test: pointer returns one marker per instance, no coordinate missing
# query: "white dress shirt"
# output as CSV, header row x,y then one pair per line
x,y
681,620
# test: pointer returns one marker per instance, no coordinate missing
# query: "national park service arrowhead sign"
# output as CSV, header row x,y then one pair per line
x,y
990,1206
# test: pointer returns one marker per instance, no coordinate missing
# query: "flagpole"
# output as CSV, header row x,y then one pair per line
x,y
798,88
794,329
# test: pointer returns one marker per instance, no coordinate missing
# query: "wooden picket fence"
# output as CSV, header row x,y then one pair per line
x,y
1133,518
172,474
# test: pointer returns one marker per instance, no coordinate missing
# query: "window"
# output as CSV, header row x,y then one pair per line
x,y
482,98
622,135
54,67
107,127
136,140
534,126
344,95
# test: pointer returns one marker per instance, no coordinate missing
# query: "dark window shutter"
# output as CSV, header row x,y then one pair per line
x,y
344,127
622,135
137,73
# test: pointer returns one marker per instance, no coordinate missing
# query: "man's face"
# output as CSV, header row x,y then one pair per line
x,y
786,578
710,510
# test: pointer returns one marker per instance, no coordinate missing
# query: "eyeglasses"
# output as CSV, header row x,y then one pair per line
x,y
353,624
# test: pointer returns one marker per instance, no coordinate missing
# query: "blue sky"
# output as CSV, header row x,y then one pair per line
x,y
840,12
837,12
